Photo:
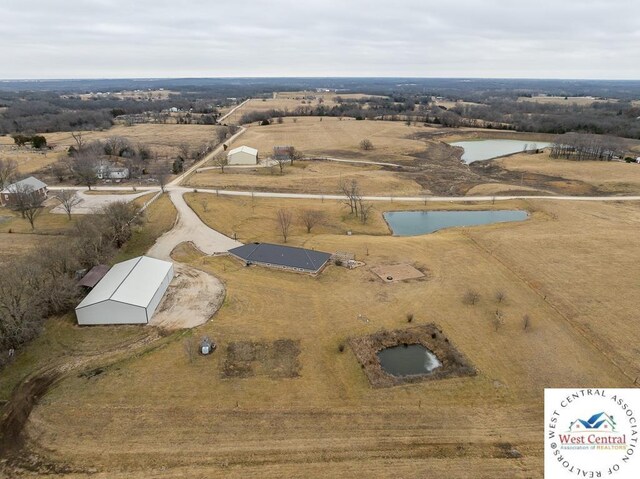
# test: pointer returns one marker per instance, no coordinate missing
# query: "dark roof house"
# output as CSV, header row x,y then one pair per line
x,y
285,257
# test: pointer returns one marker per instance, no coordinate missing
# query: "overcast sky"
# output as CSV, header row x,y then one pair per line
x,y
223,38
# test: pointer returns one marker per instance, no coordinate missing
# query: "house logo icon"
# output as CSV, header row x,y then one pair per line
x,y
599,422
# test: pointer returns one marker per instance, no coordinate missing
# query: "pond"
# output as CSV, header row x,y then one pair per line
x,y
408,360
479,150
411,223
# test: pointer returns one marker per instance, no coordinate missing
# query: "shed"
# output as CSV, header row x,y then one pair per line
x,y
284,257
31,185
128,294
243,155
94,275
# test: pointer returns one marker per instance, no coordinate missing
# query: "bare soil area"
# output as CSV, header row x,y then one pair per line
x,y
276,360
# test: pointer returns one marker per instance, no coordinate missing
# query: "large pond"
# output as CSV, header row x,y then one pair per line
x,y
411,223
408,360
479,150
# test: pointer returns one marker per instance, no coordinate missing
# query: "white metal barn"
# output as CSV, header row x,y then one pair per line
x,y
128,294
243,155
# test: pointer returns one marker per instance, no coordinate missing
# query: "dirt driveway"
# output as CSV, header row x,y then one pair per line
x,y
191,299
190,228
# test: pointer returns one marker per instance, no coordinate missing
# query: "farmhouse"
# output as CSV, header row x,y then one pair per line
x,y
284,257
128,294
111,172
31,185
243,155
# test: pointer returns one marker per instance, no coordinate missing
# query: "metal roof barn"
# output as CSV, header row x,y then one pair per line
x,y
243,155
278,256
128,294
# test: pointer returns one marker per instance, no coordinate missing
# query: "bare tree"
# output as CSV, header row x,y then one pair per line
x,y
80,141
500,296
161,175
220,160
366,144
281,162
190,349
311,218
364,210
284,219
85,169
526,322
221,133
120,218
351,191
68,200
294,155
8,171
28,202
184,152
471,297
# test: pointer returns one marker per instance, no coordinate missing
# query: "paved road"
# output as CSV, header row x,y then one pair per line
x,y
233,110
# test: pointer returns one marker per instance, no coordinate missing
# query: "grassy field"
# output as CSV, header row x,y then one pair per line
x,y
606,176
321,177
160,415
332,137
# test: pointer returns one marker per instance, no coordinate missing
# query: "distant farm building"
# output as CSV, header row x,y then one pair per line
x,y
243,155
110,172
283,257
283,152
31,186
128,294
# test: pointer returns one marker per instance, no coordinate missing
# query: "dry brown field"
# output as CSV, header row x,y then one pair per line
x,y
319,177
328,136
606,176
572,100
159,415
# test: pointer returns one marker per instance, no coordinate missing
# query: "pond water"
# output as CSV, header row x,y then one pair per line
x,y
479,150
408,360
411,223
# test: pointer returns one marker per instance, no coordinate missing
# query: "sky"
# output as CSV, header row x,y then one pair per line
x,y
264,38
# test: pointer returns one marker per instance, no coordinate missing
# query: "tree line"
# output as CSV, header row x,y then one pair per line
x,y
44,283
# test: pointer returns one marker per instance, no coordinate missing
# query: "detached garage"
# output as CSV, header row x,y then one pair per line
x,y
243,155
128,294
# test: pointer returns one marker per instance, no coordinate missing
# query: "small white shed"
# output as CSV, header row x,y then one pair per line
x,y
128,294
243,155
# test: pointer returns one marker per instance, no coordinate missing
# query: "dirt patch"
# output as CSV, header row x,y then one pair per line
x,y
454,364
17,410
192,298
391,273
278,359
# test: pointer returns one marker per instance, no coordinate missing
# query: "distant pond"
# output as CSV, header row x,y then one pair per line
x,y
412,223
408,360
479,150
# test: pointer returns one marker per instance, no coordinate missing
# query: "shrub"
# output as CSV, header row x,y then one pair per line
x,y
409,317
471,297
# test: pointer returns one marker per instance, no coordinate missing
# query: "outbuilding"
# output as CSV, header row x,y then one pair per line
x,y
32,186
300,260
128,294
243,155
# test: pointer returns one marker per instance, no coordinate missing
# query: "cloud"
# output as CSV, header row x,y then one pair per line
x,y
466,38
